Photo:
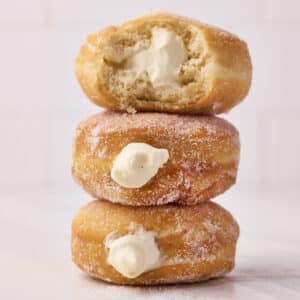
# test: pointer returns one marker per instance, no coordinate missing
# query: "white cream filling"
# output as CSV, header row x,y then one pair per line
x,y
133,254
162,60
137,163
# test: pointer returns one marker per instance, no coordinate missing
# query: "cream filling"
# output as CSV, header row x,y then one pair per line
x,y
137,163
161,61
133,254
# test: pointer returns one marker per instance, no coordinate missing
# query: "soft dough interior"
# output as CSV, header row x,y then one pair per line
x,y
129,86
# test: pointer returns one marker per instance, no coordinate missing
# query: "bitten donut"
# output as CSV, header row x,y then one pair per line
x,y
155,158
154,244
164,63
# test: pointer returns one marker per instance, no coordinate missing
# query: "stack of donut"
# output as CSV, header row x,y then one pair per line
x,y
157,156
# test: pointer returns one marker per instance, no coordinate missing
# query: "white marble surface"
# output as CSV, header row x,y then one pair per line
x,y
35,256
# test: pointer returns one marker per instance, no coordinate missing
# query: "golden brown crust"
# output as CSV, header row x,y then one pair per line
x,y
195,242
203,156
227,62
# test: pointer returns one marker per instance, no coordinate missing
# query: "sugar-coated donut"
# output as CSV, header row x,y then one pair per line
x,y
203,156
194,242
164,63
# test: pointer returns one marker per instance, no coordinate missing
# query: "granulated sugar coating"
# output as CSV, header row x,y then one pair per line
x,y
195,242
203,156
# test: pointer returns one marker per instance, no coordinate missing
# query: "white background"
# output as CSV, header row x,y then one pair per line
x,y
41,104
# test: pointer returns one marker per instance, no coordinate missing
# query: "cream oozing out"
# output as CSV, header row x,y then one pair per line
x,y
161,61
137,163
133,254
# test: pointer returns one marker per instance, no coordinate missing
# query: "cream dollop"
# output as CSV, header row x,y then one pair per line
x,y
137,163
133,254
161,60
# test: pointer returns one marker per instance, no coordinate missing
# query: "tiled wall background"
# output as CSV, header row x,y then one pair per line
x,y
41,102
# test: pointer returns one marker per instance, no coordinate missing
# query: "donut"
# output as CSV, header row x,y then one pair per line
x,y
164,63
155,158
154,244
